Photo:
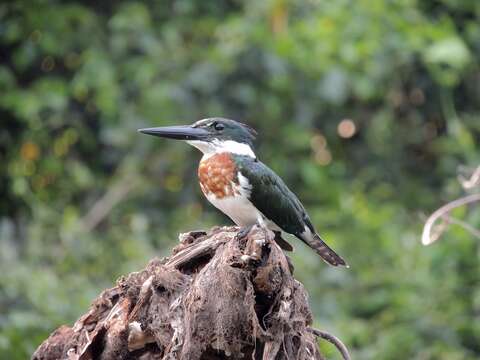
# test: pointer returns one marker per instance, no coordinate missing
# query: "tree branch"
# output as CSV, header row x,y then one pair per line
x,y
466,226
428,236
472,181
333,340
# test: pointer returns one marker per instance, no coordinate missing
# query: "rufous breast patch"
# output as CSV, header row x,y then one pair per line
x,y
217,176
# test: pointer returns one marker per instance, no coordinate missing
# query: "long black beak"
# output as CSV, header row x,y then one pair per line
x,y
184,132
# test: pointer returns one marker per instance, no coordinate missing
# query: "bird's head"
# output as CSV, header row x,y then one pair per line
x,y
212,135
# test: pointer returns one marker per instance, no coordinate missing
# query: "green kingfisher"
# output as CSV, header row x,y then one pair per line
x,y
241,186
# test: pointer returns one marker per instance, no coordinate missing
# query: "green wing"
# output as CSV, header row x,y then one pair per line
x,y
272,197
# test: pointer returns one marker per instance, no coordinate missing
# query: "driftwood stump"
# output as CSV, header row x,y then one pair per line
x,y
219,296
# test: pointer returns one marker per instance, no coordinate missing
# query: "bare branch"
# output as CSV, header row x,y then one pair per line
x,y
333,340
473,231
472,181
107,202
428,236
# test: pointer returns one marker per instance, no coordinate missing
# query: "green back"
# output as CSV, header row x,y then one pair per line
x,y
272,197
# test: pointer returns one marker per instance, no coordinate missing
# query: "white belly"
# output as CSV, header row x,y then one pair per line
x,y
238,208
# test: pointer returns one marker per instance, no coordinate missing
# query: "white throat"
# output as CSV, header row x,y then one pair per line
x,y
209,148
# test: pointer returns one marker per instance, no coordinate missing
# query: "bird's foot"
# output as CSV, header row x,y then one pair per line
x,y
243,232
267,234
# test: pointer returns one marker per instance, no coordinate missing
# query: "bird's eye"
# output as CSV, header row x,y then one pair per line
x,y
218,126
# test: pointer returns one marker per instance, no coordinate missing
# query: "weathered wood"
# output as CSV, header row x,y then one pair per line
x,y
218,296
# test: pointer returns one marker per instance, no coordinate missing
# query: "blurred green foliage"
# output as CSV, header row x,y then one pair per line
x,y
366,108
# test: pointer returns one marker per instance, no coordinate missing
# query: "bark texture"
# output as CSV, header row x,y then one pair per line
x,y
218,296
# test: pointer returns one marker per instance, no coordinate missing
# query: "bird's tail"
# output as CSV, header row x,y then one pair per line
x,y
327,254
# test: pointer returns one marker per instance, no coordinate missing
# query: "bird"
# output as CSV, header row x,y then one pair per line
x,y
241,186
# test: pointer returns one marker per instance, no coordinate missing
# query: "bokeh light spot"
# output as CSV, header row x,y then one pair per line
x,y
318,142
36,35
323,157
30,151
48,63
60,147
346,128
173,183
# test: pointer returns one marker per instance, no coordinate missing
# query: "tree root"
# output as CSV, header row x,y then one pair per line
x,y
333,340
218,296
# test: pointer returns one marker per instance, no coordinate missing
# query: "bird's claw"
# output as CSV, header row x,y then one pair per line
x,y
243,232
